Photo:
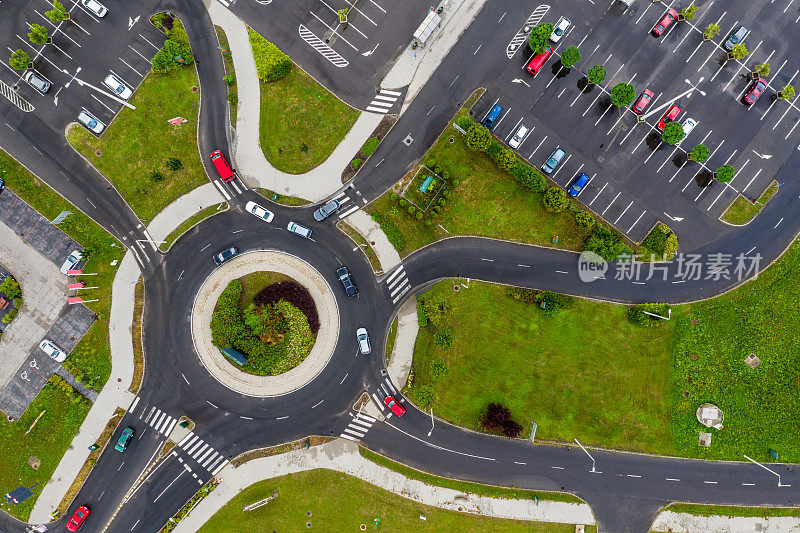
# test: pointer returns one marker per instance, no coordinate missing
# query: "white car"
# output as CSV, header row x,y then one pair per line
x,y
95,7
52,349
91,122
363,341
560,29
688,125
517,138
262,213
117,86
73,259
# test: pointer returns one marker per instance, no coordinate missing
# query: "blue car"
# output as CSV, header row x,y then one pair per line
x,y
553,161
579,184
491,117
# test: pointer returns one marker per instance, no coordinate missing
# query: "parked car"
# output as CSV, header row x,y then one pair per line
x,y
579,184
755,92
91,122
53,350
297,229
117,86
363,341
226,254
670,115
560,29
347,282
553,161
396,408
538,61
37,81
643,101
95,7
665,22
261,212
222,166
688,125
124,438
326,210
737,35
2,185
517,138
73,259
491,117
78,518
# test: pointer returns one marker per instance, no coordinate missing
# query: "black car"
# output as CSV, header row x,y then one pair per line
x,y
224,255
347,282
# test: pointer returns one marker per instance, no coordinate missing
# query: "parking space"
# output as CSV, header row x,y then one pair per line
x,y
85,49
633,171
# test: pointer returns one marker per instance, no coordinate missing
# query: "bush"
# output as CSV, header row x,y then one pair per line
x,y
19,60
164,60
570,56
233,99
229,79
430,163
425,396
437,170
552,302
428,222
494,149
370,146
445,174
419,215
393,196
355,163
672,133
506,159
699,153
637,316
555,200
393,212
443,339
10,315
10,288
605,243
402,202
497,418
447,193
662,242
156,176
393,234
725,173
442,201
271,63
422,317
596,74
584,219
456,182
528,177
437,310
173,164
622,94
411,209
465,123
478,138
538,38
438,369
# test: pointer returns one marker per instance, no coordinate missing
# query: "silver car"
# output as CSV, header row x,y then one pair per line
x,y
326,210
517,138
553,161
91,122
117,86
737,36
363,341
37,81
53,350
297,229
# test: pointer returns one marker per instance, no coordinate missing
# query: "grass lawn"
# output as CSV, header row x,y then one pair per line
x,y
290,201
583,372
190,222
741,211
731,510
301,122
338,502
487,202
139,142
48,440
252,283
233,91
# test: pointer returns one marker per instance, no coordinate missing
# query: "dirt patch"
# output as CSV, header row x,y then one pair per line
x,y
295,294
380,132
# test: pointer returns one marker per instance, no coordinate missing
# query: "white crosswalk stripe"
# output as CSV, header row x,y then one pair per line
x,y
204,454
349,212
380,403
397,284
388,382
222,465
319,45
7,91
222,189
358,427
383,101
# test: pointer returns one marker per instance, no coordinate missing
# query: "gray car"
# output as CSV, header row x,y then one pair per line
x,y
326,210
553,161
738,35
37,81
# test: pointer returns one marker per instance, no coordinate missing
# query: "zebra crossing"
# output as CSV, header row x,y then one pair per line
x,y
522,35
236,184
9,92
397,284
388,389
202,453
319,45
384,101
159,420
358,427
347,210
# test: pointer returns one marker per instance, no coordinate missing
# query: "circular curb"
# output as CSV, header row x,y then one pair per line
x,y
226,372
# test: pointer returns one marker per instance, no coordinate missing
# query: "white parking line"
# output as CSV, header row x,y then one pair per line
x,y
539,146
637,221
130,67
623,212
752,180
612,203
598,194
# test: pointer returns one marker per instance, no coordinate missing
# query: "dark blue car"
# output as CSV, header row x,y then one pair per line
x,y
491,117
579,184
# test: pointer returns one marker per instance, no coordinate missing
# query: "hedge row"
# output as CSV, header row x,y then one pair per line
x,y
271,63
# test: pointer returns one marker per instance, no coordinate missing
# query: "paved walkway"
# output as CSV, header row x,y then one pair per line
x,y
342,455
115,392
686,523
402,356
315,185
370,230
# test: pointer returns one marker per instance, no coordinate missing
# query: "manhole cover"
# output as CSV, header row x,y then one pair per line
x,y
456,288
98,153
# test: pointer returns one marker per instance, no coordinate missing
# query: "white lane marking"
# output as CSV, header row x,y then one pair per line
x,y
440,447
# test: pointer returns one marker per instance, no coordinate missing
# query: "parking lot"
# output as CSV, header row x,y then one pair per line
x,y
84,50
633,173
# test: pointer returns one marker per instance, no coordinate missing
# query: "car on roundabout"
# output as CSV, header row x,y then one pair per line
x,y
363,341
78,518
395,407
226,254
261,212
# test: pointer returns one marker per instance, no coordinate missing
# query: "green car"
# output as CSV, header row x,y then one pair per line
x,y
122,443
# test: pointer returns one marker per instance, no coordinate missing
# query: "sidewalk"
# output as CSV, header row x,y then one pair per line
x,y
370,230
686,523
315,185
115,392
342,455
402,356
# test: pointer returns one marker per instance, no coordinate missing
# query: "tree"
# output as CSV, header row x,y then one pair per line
x,y
538,38
739,51
596,74
689,12
725,173
38,34
555,200
673,133
762,69
711,31
507,160
497,418
58,13
605,243
570,56
699,153
622,94
478,138
787,93
19,60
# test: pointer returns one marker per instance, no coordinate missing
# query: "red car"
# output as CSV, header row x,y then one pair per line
x,y
396,408
78,518
539,60
221,165
666,21
671,114
758,88
643,101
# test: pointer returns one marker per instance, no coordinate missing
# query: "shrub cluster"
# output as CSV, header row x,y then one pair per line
x,y
660,242
606,243
497,419
370,146
393,234
295,294
164,60
271,63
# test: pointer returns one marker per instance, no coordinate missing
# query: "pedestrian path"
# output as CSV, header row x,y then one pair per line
x,y
397,284
384,101
203,454
358,427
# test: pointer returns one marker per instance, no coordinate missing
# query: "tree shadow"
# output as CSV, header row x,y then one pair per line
x,y
704,178
653,141
679,159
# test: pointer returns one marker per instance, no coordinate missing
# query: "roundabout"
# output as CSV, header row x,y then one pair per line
x,y
231,376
